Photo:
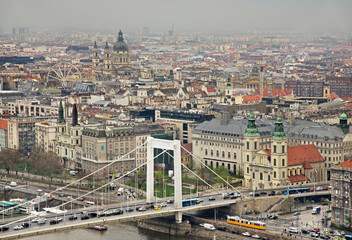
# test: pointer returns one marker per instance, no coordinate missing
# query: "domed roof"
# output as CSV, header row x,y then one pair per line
x,y
120,45
343,116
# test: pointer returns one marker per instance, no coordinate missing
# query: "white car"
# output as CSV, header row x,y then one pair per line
x,y
35,220
163,204
255,236
42,221
293,230
247,234
251,194
208,226
17,227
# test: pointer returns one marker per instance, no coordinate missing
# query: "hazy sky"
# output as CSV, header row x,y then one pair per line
x,y
186,15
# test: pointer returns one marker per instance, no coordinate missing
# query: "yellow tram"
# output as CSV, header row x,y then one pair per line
x,y
246,223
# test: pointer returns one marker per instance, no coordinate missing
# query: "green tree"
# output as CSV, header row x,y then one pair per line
x,y
223,172
159,176
11,159
142,178
46,164
349,220
288,204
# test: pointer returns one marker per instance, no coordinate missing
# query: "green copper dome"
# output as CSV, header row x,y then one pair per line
x,y
251,130
120,46
343,116
279,132
228,80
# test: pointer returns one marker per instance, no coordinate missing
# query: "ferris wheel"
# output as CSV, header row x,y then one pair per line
x,y
62,74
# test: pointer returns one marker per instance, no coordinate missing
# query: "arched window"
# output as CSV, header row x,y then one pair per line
x,y
274,161
211,152
217,153
247,169
223,154
217,164
261,176
234,156
206,151
228,154
274,174
283,162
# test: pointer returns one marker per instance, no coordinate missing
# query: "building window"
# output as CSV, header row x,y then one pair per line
x,y
274,161
268,178
229,155
234,155
247,169
247,158
206,151
274,174
247,145
283,174
283,162
217,153
255,145
261,176
211,152
274,148
223,154
283,149
253,175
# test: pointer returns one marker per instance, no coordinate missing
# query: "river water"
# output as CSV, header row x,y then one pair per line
x,y
115,231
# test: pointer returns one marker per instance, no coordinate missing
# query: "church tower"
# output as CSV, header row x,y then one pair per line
x,y
95,57
279,154
251,145
343,123
121,54
61,122
107,60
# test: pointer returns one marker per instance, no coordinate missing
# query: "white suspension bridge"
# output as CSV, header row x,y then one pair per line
x,y
176,208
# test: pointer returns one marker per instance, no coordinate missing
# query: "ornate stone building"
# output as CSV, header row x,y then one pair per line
x,y
116,61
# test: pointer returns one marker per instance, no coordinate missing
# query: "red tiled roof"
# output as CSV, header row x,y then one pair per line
x,y
251,99
297,178
334,95
347,163
298,155
3,124
187,146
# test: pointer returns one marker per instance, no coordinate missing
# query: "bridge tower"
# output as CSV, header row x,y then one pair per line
x,y
174,145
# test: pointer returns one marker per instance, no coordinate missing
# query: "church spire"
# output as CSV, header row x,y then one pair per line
x,y
120,38
251,130
279,132
95,44
61,113
74,115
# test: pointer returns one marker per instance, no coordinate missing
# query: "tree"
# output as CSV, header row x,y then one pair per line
x,y
288,204
46,163
159,176
223,172
142,178
349,220
11,159
206,175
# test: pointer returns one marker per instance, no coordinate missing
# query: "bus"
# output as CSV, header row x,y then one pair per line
x,y
348,237
290,191
189,202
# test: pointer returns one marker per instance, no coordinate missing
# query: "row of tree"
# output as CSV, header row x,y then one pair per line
x,y
45,164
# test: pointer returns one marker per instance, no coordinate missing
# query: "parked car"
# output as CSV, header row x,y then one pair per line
x,y
72,217
212,199
263,193
297,213
129,209
142,209
256,195
234,231
222,228
170,201
272,193
255,236
17,227
293,230
246,234
25,224
84,217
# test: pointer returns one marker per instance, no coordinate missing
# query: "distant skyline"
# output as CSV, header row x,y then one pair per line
x,y
225,16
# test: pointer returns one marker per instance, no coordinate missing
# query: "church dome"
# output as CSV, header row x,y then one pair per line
x,y
120,46
343,116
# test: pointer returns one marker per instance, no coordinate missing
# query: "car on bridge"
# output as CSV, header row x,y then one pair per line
x,y
141,209
72,217
158,207
212,199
